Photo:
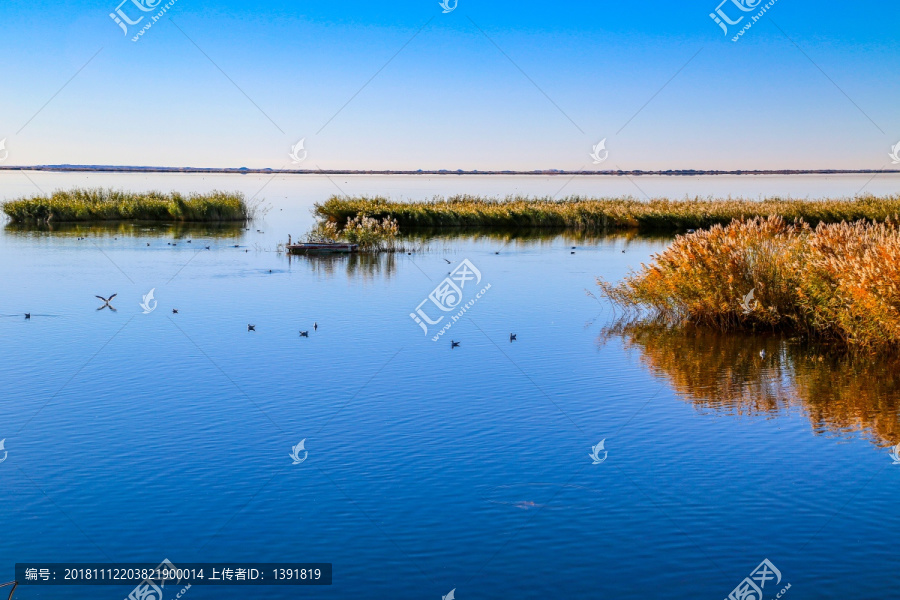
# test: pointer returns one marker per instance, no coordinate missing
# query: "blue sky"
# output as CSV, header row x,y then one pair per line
x,y
491,85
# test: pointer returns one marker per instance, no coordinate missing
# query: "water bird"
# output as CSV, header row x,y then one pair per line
x,y
174,311
573,247
189,241
453,344
148,244
447,261
573,253
27,316
304,334
251,327
236,246
315,326
106,302
512,337
207,247
497,252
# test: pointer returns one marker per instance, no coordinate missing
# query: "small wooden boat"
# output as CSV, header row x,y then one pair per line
x,y
322,248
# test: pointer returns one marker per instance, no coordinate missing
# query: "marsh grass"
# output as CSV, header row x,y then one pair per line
x,y
115,205
835,282
577,212
372,235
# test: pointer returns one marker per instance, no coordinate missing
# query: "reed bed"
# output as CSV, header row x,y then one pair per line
x,y
372,235
836,282
116,205
576,212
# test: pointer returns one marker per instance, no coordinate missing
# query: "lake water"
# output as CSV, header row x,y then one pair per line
x,y
136,437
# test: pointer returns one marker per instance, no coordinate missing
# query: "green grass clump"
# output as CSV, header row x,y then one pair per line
x,y
115,205
578,212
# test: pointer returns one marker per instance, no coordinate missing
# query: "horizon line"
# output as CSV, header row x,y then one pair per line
x,y
458,172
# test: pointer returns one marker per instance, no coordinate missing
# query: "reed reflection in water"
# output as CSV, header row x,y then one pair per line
x,y
767,375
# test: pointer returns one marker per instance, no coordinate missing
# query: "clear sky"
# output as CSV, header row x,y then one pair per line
x,y
490,85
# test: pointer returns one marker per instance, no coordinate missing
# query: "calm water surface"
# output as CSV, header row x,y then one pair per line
x,y
137,437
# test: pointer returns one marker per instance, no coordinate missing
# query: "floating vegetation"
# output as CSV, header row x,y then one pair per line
x,y
115,205
576,212
372,235
834,282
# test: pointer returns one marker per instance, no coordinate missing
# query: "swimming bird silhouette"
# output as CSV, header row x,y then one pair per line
x,y
174,311
251,327
27,316
207,247
148,244
315,326
304,334
453,344
106,303
512,337
447,261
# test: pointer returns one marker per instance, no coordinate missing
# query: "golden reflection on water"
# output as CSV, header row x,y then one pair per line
x,y
767,375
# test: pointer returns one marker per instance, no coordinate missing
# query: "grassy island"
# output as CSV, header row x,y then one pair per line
x,y
597,214
834,282
115,205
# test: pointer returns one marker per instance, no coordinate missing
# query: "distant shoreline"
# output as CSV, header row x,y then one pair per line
x,y
442,172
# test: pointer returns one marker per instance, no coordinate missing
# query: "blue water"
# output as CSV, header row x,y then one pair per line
x,y
136,437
